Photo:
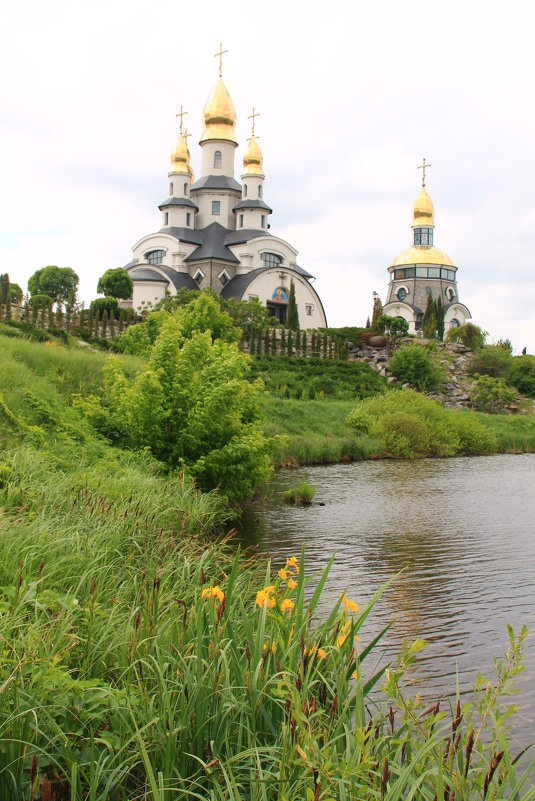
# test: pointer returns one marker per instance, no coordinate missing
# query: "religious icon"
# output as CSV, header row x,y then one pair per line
x,y
279,295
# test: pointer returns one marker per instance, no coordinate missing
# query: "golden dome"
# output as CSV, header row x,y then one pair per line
x,y
423,212
252,159
180,158
219,115
422,255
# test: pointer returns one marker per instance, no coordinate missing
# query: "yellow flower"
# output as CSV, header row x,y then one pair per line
x,y
283,574
349,605
213,592
266,597
343,634
292,584
272,647
287,605
322,654
292,562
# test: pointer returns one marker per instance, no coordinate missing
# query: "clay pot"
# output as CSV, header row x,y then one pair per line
x,y
377,341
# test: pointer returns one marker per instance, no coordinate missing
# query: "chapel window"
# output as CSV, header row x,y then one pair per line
x,y
423,236
188,218
402,293
259,190
245,190
216,207
171,188
186,188
217,160
241,220
263,220
166,218
271,259
155,256
308,309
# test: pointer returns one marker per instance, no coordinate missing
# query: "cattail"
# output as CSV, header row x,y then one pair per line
x,y
322,693
391,714
278,666
334,707
138,620
248,654
298,683
202,577
456,743
318,791
385,777
34,769
468,752
46,790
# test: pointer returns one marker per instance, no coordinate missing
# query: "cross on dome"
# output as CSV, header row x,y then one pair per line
x,y
220,54
181,114
252,117
423,168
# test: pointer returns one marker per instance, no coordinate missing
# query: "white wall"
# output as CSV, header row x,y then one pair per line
x,y
264,285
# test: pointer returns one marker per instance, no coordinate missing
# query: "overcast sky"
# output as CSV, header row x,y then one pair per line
x,y
352,95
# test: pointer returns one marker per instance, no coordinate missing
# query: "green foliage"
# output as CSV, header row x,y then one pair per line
x,y
506,344
395,329
410,425
302,493
101,305
40,301
491,395
430,323
15,293
308,378
57,282
493,360
414,364
377,313
468,334
293,314
247,313
522,374
439,311
193,408
116,283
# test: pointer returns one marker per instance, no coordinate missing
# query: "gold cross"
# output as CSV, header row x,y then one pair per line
x,y
186,136
252,117
423,168
181,114
220,54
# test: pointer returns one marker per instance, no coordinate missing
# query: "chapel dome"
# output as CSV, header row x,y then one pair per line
x,y
423,213
180,158
422,255
219,115
252,159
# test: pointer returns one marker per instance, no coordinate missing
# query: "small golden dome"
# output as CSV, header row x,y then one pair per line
x,y
219,115
180,158
252,159
422,255
423,213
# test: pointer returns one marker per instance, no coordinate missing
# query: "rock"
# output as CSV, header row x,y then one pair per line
x,y
377,341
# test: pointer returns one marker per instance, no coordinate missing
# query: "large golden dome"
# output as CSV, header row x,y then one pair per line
x,y
423,213
252,159
180,158
219,115
422,255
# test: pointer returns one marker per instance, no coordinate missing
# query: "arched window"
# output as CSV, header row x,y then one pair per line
x,y
450,293
245,190
186,188
271,259
241,220
217,160
155,256
166,218
259,190
171,188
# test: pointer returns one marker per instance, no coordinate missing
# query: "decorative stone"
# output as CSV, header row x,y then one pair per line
x,y
377,341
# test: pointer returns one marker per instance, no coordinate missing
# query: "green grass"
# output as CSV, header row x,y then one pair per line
x,y
302,493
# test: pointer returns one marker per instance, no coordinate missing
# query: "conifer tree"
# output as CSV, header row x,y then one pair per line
x,y
325,345
283,342
252,341
368,323
112,326
429,323
50,315
289,345
293,315
104,328
377,312
439,311
260,341
266,341
274,342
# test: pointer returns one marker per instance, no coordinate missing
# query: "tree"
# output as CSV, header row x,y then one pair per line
x,y
414,365
194,408
293,315
439,311
469,334
377,312
58,282
116,283
491,395
395,329
108,304
429,324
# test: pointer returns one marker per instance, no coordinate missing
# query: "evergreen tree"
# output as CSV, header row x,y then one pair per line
x,y
377,312
252,341
266,341
59,317
429,324
274,342
325,345
104,328
260,341
293,315
289,345
50,315
112,326
283,342
439,311
368,323
313,344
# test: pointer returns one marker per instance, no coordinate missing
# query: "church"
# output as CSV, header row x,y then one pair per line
x,y
421,270
215,231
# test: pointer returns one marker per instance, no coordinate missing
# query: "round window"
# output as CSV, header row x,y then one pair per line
x,y
402,293
450,293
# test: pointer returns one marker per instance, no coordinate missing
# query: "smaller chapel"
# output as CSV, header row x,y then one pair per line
x,y
215,231
421,270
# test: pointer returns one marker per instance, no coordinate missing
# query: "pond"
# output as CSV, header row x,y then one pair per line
x,y
463,532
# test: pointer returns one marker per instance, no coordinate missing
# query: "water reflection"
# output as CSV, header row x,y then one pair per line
x,y
462,531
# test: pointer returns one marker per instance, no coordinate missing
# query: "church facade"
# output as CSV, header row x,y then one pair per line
x,y
215,231
421,270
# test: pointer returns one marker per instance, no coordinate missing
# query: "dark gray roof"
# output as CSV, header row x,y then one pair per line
x,y
237,285
213,245
252,204
302,272
244,235
216,182
179,280
184,234
178,201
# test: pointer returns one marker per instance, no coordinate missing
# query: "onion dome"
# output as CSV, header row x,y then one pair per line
x,y
423,213
219,115
252,159
180,158
422,255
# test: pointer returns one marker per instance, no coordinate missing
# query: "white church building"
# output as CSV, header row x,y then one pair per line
x,y
215,231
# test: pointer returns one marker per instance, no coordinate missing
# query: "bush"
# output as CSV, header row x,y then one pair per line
x,y
468,334
101,305
522,374
491,395
40,301
493,360
302,493
193,408
413,364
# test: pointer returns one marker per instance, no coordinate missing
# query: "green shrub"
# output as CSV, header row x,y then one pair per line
x,y
101,305
493,360
522,375
302,493
413,364
468,334
475,439
491,395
